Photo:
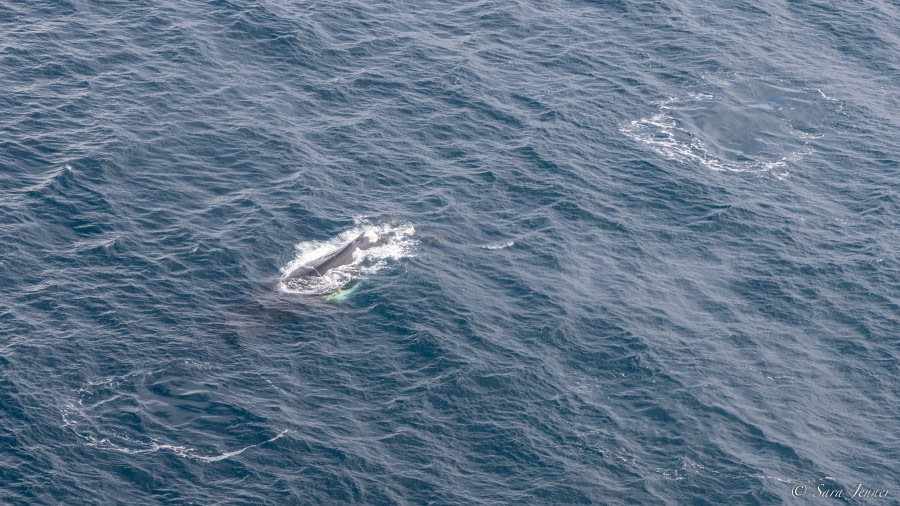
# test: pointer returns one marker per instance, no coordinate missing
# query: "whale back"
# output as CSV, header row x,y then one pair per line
x,y
337,258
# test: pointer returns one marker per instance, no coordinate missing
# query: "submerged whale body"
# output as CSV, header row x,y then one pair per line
x,y
340,257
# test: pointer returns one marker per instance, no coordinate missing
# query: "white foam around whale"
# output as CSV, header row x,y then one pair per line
x,y
400,242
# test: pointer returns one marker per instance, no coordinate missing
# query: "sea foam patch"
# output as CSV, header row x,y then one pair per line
x,y
747,125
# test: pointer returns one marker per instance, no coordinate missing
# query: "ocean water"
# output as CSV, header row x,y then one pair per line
x,y
646,251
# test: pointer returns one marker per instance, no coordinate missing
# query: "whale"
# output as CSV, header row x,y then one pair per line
x,y
344,255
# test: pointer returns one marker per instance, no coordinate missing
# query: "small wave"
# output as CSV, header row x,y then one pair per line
x,y
400,243
832,99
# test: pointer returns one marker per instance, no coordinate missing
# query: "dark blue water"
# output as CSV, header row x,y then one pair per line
x,y
649,251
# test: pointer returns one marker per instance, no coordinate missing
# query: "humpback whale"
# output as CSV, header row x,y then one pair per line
x,y
342,256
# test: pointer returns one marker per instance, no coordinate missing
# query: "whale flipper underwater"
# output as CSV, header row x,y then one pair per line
x,y
344,293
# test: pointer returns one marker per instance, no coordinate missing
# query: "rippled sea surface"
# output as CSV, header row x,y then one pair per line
x,y
650,251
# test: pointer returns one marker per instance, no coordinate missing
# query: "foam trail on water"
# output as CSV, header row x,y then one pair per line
x,y
151,446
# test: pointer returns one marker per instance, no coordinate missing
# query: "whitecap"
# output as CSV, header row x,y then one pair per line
x,y
499,245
